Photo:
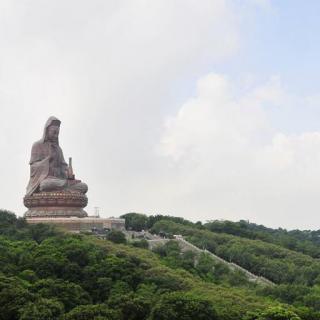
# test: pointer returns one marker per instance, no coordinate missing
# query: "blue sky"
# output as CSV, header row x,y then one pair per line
x,y
283,40
279,38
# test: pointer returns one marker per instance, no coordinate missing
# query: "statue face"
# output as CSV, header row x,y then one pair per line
x,y
53,133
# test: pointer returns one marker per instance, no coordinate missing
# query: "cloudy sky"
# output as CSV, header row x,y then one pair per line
x,y
204,109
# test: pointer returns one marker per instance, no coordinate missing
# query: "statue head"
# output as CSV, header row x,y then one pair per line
x,y
51,130
53,133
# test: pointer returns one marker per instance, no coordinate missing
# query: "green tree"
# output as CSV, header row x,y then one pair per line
x,y
28,275
135,221
178,306
143,243
131,306
237,278
13,296
92,312
44,309
273,313
40,231
70,294
116,236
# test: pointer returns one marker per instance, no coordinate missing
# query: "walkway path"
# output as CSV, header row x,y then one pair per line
x,y
186,245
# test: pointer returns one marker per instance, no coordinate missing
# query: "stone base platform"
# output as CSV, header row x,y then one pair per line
x,y
75,224
65,209
56,204
55,212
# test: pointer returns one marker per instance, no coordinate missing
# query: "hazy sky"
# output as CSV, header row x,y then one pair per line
x,y
204,109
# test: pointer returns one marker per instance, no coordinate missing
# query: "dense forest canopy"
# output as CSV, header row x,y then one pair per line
x,y
46,273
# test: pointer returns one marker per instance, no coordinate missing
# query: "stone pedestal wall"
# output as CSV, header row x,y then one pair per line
x,y
76,224
65,209
55,204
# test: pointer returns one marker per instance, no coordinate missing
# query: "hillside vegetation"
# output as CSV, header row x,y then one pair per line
x,y
48,274
276,263
296,274
306,241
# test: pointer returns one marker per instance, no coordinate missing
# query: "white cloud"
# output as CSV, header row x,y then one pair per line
x,y
233,164
107,69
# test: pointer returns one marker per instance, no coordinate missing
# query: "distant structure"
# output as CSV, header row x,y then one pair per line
x,y
97,212
53,193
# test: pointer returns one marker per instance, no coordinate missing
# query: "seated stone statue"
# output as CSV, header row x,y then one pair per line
x,y
48,169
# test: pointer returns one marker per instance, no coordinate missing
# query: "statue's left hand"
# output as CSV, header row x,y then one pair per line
x,y
69,174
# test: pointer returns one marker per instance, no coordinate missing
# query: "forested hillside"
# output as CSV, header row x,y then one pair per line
x,y
48,274
254,248
271,261
306,241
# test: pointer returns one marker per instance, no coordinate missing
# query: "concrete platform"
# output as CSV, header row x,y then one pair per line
x,y
75,224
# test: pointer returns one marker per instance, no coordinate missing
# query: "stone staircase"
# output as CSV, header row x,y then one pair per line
x,y
186,245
